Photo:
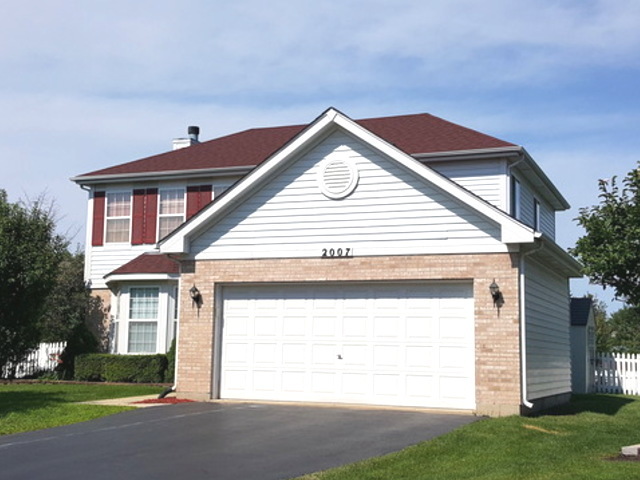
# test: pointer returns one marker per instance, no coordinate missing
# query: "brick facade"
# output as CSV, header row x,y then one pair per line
x,y
497,333
98,317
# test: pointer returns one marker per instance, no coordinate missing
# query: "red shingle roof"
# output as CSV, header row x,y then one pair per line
x,y
149,263
413,134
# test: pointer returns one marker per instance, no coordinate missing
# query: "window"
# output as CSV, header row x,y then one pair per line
x,y
536,214
142,337
143,307
118,217
515,198
171,211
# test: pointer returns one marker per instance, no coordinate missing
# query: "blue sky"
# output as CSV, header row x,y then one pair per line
x,y
90,84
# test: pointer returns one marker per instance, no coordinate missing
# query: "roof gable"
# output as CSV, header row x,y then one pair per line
x,y
413,134
178,242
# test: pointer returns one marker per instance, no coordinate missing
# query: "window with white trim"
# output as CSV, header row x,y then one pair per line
x,y
118,218
143,316
171,210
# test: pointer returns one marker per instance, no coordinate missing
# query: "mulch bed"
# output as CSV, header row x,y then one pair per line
x,y
170,400
624,458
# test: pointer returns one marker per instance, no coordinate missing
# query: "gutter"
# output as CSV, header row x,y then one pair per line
x,y
523,326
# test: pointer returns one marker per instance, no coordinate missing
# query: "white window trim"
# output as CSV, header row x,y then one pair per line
x,y
107,217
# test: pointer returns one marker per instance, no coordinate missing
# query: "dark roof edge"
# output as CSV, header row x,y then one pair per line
x,y
161,175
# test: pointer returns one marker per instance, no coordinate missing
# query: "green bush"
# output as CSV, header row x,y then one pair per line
x,y
104,367
171,363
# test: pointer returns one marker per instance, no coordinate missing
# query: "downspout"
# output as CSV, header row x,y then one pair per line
x,y
173,387
523,326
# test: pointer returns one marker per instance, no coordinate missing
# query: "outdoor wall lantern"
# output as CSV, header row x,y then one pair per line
x,y
196,296
496,294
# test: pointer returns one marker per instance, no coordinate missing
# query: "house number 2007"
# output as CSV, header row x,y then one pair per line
x,y
336,252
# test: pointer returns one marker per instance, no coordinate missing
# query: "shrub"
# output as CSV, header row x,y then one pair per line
x,y
104,367
171,363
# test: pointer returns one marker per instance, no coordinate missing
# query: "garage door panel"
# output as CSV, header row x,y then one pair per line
x,y
378,343
386,385
323,382
293,354
387,356
354,355
419,356
323,354
356,384
265,354
323,325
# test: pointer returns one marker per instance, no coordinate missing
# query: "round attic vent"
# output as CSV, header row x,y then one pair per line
x,y
337,178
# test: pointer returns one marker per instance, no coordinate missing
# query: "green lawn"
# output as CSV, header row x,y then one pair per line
x,y
25,407
576,442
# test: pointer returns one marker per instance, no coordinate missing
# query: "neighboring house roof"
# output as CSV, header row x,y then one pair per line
x,y
580,311
413,134
146,266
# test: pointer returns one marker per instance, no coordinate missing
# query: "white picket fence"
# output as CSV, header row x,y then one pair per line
x,y
44,358
618,373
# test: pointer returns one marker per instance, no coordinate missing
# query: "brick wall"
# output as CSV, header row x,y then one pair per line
x,y
98,316
496,332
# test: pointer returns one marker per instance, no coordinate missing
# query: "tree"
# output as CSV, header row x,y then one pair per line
x,y
66,304
624,330
610,248
30,253
67,307
603,329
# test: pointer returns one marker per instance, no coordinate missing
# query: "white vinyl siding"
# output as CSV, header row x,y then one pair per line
x,y
104,260
390,212
547,220
547,332
485,178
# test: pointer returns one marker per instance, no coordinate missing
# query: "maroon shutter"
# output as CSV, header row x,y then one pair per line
x,y
137,227
150,215
193,196
205,196
97,232
198,197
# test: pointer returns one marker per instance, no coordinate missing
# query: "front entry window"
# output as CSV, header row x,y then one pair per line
x,y
143,316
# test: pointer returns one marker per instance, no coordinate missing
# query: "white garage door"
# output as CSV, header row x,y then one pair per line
x,y
384,344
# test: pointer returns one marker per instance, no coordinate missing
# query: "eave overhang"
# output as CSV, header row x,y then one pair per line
x,y
161,176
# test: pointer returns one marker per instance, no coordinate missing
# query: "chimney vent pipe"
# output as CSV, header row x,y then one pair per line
x,y
193,132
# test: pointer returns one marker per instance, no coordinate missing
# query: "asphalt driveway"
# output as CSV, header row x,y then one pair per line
x,y
193,441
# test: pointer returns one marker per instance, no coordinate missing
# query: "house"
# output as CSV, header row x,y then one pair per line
x,y
583,345
403,261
